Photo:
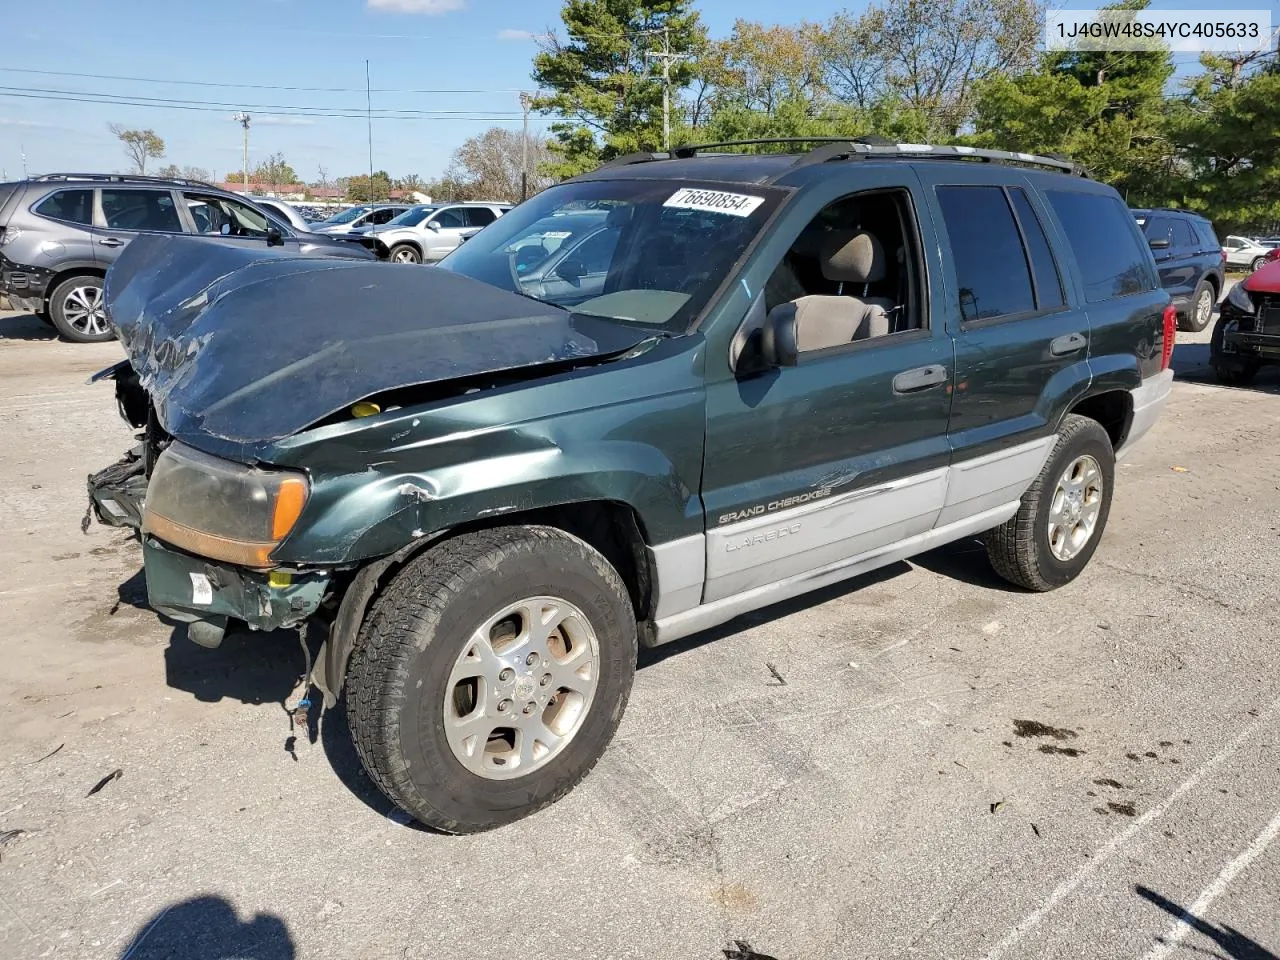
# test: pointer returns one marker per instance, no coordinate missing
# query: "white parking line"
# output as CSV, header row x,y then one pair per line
x,y
1120,840
1169,942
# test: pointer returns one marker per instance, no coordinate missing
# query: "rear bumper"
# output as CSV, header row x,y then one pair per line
x,y
1149,400
26,287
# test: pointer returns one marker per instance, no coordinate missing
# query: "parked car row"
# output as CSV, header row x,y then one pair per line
x,y
59,233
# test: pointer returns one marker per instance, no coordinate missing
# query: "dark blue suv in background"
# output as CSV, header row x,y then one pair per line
x,y
1190,260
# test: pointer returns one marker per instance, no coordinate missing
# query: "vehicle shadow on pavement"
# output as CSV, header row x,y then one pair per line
x,y
1233,944
254,668
26,326
1190,362
208,928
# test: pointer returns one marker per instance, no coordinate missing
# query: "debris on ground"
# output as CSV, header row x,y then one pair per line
x,y
741,950
115,774
776,675
50,753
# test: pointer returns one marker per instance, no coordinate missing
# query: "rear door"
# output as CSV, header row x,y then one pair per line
x,y
1022,347
125,212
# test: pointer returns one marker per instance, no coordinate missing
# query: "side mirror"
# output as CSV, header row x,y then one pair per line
x,y
571,269
778,345
274,237
433,226
1159,243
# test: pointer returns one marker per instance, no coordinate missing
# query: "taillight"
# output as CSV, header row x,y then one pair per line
x,y
1170,334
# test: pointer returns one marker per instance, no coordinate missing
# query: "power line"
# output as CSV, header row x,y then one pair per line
x,y
489,117
235,86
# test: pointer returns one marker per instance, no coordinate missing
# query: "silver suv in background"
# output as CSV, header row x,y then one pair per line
x,y
59,233
430,231
353,219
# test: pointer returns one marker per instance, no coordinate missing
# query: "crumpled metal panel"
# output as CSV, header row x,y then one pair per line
x,y
251,344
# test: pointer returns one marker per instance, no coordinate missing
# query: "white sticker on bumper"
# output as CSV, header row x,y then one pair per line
x,y
201,590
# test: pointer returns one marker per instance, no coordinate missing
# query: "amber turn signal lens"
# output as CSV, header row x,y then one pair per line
x,y
290,500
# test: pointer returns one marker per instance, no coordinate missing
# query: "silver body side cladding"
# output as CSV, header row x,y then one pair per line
x,y
762,550
983,483
680,568
713,614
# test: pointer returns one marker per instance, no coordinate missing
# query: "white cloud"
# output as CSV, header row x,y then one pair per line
x,y
7,122
270,121
514,35
429,7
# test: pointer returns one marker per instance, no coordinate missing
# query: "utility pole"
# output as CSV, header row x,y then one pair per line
x,y
525,102
667,58
243,120
23,148
368,106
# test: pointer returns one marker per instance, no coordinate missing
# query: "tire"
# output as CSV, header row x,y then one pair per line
x,y
1230,370
1200,313
75,307
1020,549
1257,264
404,253
420,636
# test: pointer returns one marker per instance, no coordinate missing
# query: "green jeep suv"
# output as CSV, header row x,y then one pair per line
x,y
739,378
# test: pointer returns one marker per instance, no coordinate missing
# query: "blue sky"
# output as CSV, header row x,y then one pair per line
x,y
481,47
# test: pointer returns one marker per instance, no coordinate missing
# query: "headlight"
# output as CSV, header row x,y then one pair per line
x,y
1240,299
219,509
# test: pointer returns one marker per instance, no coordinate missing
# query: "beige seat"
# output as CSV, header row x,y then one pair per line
x,y
847,257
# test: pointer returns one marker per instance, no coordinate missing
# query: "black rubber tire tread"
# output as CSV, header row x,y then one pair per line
x,y
405,246
1189,322
399,630
1014,547
1230,370
59,320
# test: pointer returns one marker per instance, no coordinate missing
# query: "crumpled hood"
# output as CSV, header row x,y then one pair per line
x,y
251,344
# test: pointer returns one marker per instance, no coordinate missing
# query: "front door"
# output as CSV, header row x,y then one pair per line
x,y
809,467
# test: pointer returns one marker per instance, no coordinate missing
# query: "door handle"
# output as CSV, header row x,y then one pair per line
x,y
111,242
921,378
1067,343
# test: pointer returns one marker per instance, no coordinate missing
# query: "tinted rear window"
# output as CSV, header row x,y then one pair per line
x,y
991,267
1100,231
69,206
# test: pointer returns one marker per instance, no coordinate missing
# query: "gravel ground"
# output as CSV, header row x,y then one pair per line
x,y
952,768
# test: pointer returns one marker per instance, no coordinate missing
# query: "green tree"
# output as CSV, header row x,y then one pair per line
x,y
360,189
274,170
1106,109
1226,135
139,145
173,171
603,82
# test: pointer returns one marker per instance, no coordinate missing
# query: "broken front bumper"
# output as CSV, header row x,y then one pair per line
x,y
190,588
118,493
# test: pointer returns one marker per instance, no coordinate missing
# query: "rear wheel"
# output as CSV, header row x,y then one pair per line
x,y
490,676
1056,530
404,253
1257,263
77,312
1200,310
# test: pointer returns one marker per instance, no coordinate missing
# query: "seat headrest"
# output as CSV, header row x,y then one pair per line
x,y
852,256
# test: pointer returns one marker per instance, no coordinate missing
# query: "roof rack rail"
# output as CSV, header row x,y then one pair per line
x,y
874,146
119,178
629,158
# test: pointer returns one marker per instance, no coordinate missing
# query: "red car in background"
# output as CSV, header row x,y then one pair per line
x,y
1247,335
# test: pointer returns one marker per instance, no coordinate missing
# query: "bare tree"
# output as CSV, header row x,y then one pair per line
x,y
488,166
139,145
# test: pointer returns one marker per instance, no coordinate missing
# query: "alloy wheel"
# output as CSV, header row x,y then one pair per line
x,y
1074,509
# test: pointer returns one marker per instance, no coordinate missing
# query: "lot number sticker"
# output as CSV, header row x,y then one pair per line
x,y
715,201
201,590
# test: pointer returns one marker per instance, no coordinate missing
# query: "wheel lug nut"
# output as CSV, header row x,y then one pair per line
x,y
546,680
530,707
531,659
507,675
504,706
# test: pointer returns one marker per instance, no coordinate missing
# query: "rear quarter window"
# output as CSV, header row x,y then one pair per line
x,y
69,206
1105,244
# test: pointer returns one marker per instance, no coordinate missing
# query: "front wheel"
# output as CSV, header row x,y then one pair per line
x,y
1257,263
490,676
1053,535
77,310
404,253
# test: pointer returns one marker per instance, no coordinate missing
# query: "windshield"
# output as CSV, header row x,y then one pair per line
x,y
654,252
411,217
346,216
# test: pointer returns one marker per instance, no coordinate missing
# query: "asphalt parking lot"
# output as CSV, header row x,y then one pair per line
x,y
951,768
